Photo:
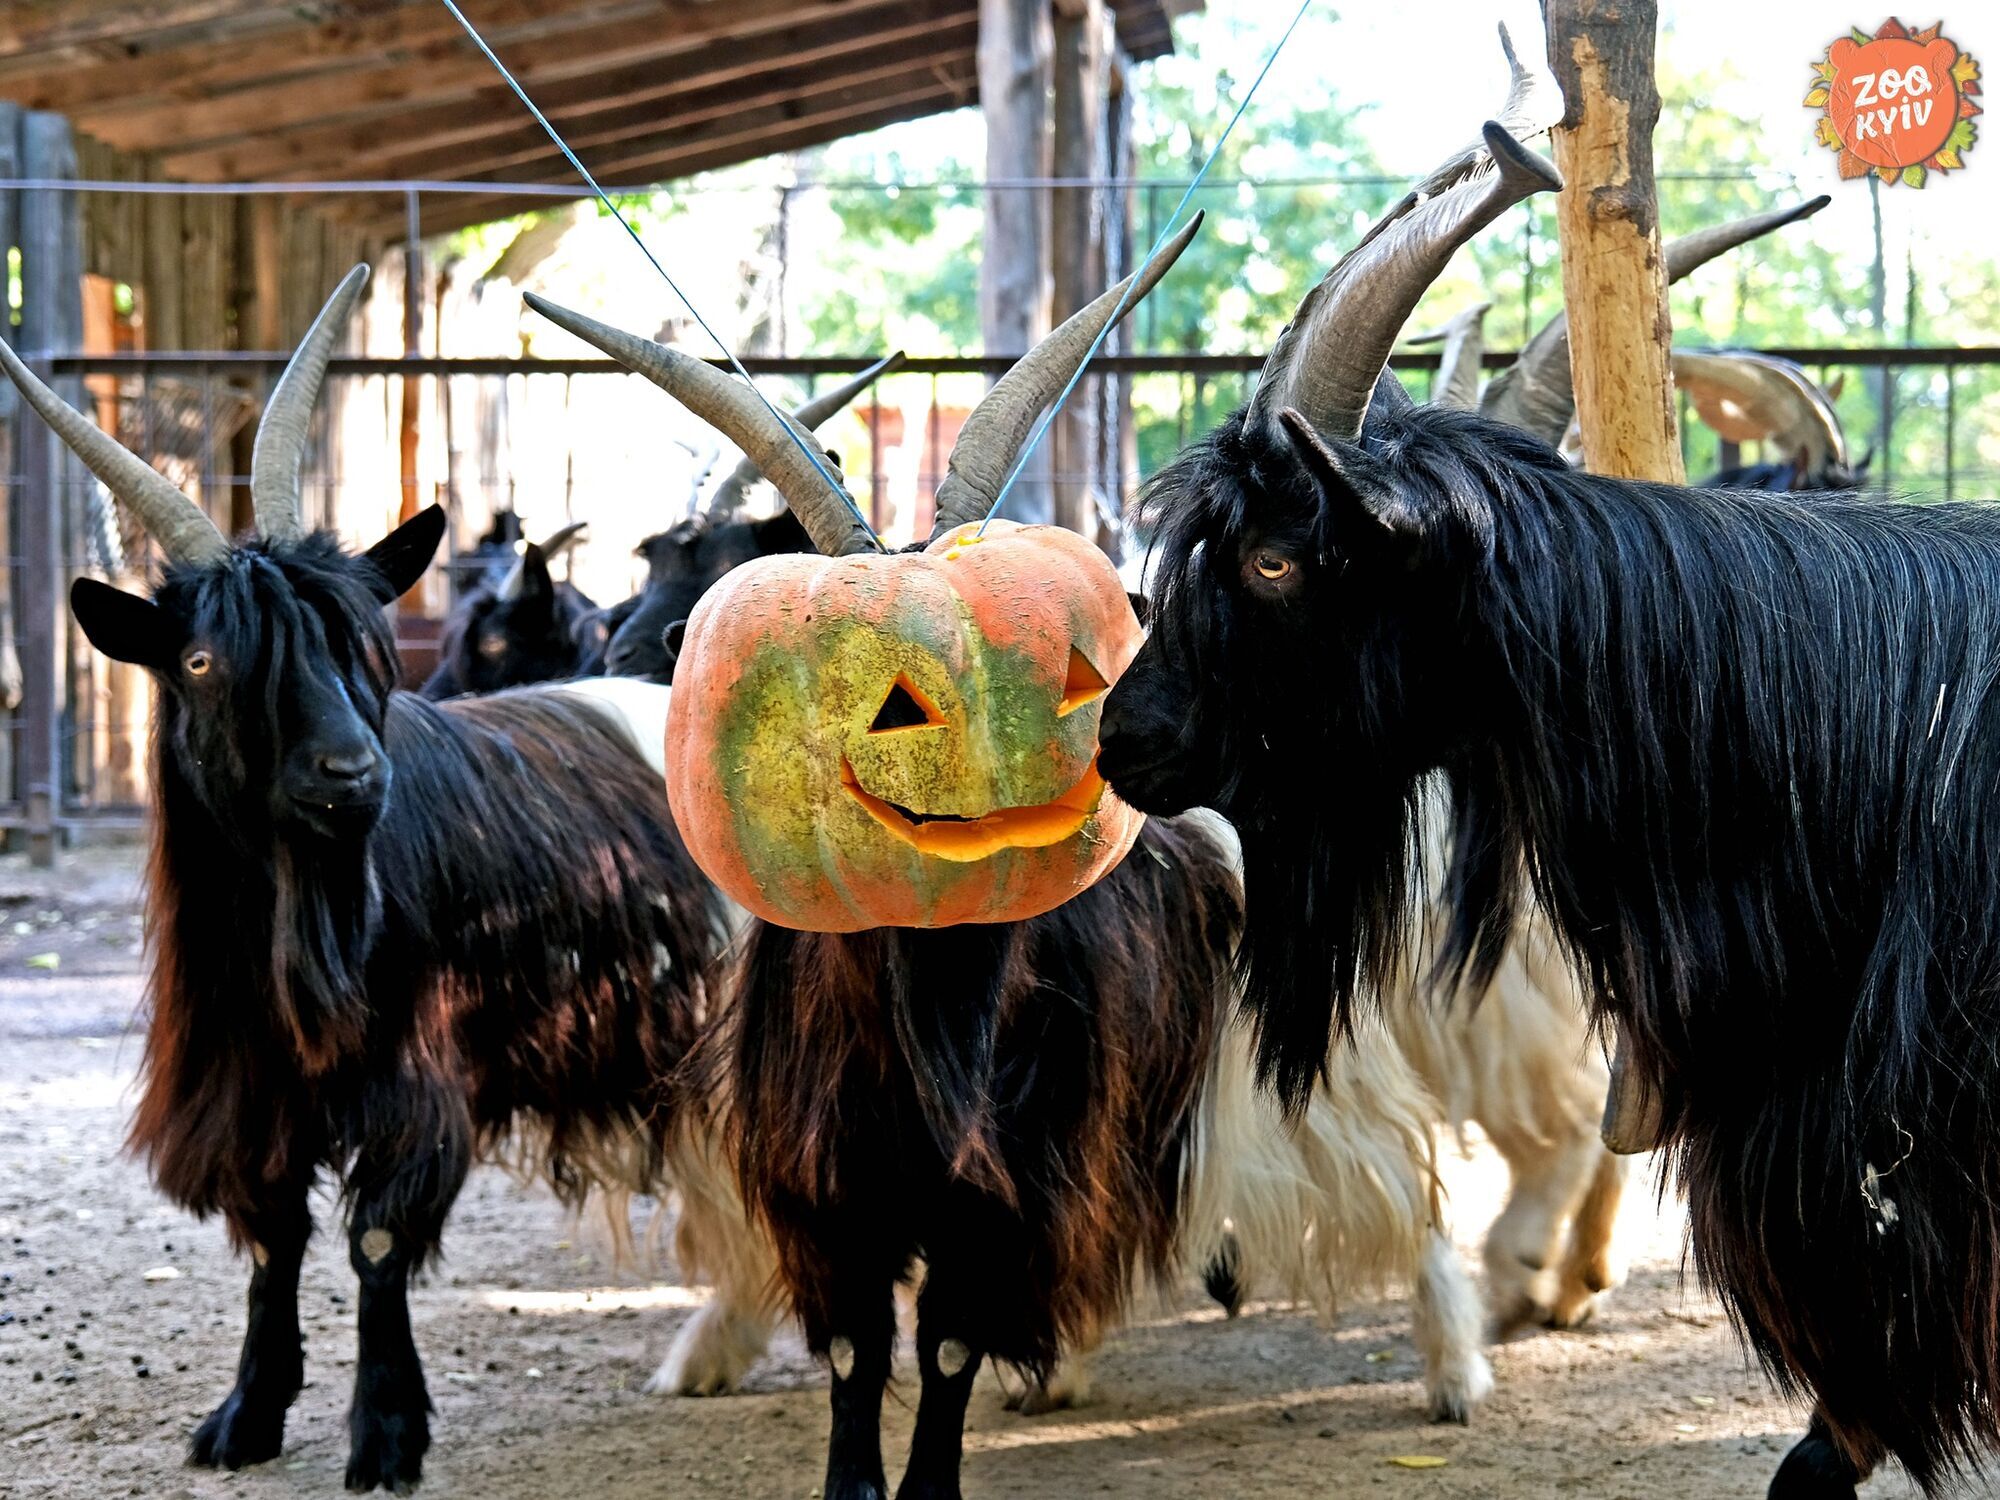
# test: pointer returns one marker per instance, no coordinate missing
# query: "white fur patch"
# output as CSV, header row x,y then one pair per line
x,y
840,1354
640,709
952,1356
376,1244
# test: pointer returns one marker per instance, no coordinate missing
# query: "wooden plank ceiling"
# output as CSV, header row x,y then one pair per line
x,y
646,90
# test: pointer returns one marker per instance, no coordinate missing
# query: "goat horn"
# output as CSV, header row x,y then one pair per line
x,y
989,444
182,529
727,404
1464,340
1326,362
1535,392
1765,399
558,542
729,495
281,436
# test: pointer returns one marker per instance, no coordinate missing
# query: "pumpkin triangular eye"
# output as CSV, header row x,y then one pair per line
x,y
1084,684
904,708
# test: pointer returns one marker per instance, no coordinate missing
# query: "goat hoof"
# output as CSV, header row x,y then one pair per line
x,y
388,1447
1519,1314
1572,1312
1454,1395
937,1488
1814,1470
240,1432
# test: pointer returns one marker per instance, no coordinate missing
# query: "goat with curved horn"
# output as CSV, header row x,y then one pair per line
x,y
281,435
1751,397
1534,393
1327,361
182,528
826,510
989,444
734,490
1464,340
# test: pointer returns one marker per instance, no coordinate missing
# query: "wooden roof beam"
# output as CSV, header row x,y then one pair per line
x,y
369,145
453,69
870,109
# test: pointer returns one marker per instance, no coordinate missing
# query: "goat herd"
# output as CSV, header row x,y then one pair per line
x,y
1425,715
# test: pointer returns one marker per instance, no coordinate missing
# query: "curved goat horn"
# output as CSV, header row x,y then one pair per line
x,y
989,444
1532,107
1748,397
1534,392
281,435
730,494
1464,340
182,529
557,543
1326,362
727,404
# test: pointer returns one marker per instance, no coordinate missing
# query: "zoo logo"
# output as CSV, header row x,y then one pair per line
x,y
1898,103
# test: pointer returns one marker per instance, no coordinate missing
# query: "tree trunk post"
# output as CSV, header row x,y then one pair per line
x,y
1014,66
1614,279
1077,227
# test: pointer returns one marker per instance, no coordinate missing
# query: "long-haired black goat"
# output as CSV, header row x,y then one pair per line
x,y
384,933
1746,750
522,627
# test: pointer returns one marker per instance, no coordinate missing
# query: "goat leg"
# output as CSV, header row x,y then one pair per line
x,y
1817,1468
949,1350
249,1426
856,1344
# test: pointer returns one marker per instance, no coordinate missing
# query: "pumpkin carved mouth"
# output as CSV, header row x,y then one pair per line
x,y
966,840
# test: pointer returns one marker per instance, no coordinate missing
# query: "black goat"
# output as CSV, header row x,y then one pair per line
x,y
1745,747
1011,1103
384,933
520,628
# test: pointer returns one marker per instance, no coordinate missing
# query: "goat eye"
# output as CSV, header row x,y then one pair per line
x,y
197,663
1271,567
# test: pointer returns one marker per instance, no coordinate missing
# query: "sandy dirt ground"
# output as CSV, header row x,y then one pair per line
x,y
536,1350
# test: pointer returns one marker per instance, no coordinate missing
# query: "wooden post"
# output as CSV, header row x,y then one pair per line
x,y
1014,46
10,402
1614,280
1076,239
50,284
1620,334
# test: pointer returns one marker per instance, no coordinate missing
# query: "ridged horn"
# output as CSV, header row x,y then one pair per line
x,y
181,528
989,444
281,435
1464,340
558,542
1752,397
1326,362
730,494
735,410
1534,393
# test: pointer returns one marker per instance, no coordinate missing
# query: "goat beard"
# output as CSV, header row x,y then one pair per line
x,y
323,929
1327,917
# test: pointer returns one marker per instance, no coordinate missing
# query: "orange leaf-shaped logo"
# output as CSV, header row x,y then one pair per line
x,y
1896,104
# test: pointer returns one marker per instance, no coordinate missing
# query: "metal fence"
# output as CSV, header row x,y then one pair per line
x,y
1932,416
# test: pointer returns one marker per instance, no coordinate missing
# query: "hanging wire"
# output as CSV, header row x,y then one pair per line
x,y
1166,233
727,353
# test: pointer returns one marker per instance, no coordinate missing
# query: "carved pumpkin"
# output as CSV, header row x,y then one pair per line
x,y
904,739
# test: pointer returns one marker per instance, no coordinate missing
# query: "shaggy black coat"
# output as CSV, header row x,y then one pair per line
x,y
1010,1103
481,919
1748,751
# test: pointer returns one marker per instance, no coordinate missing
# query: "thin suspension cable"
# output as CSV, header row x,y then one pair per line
x,y
605,198
1166,233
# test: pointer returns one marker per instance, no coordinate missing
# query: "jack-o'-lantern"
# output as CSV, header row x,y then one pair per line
x,y
871,739
904,739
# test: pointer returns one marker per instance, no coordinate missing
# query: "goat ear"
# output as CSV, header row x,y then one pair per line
x,y
402,556
125,627
673,638
1368,506
780,533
